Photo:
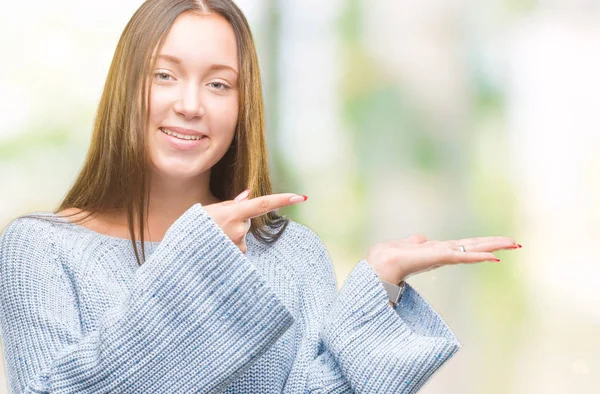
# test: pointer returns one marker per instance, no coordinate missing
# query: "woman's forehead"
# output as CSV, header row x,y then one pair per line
x,y
200,40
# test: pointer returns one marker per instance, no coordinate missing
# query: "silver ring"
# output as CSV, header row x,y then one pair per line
x,y
462,248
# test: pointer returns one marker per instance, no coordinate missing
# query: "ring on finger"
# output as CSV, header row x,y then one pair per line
x,y
462,248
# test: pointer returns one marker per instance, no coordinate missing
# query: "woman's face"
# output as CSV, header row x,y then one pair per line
x,y
194,95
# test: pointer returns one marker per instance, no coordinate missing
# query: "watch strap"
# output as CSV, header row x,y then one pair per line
x,y
394,291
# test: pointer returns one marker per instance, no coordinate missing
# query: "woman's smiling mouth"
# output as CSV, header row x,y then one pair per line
x,y
183,141
182,136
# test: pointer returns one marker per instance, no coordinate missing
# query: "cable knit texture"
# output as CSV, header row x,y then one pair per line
x,y
77,314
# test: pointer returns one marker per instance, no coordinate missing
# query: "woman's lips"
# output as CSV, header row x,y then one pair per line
x,y
183,144
182,130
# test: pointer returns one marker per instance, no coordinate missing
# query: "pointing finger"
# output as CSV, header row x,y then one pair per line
x,y
258,206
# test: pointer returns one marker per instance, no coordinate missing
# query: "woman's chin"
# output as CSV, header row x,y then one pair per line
x,y
176,170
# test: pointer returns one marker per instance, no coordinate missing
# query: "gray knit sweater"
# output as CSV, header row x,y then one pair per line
x,y
77,314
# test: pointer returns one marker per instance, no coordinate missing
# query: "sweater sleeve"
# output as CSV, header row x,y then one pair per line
x,y
369,347
198,316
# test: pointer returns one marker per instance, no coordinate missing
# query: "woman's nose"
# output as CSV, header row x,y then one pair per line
x,y
189,103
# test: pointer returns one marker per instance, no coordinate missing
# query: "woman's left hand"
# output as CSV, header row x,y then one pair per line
x,y
395,260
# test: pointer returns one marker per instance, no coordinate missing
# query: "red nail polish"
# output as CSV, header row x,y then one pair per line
x,y
305,197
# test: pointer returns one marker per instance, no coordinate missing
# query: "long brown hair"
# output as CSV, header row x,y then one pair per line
x,y
115,174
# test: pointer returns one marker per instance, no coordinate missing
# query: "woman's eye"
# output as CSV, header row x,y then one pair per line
x,y
162,76
219,85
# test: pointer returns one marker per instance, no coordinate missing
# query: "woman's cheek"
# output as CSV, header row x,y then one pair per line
x,y
159,104
228,113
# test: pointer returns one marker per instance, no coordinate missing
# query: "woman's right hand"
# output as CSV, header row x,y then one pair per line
x,y
233,216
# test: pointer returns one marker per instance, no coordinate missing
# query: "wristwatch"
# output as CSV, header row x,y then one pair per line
x,y
394,291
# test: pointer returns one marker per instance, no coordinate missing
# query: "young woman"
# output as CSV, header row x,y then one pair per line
x,y
153,277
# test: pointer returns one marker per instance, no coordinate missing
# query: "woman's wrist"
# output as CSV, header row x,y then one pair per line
x,y
386,273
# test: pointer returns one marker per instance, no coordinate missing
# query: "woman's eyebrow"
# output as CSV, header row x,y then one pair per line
x,y
216,67
170,58
213,67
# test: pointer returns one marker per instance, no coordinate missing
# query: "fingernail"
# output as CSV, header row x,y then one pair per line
x,y
243,195
296,199
519,246
495,260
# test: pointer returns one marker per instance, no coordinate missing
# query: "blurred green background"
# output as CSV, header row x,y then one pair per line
x,y
448,118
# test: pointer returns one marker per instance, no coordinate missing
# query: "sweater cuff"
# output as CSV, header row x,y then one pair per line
x,y
363,303
369,338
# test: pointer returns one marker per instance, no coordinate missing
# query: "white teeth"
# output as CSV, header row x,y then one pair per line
x,y
181,136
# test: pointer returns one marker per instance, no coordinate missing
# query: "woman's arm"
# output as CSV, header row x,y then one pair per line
x,y
367,346
198,316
